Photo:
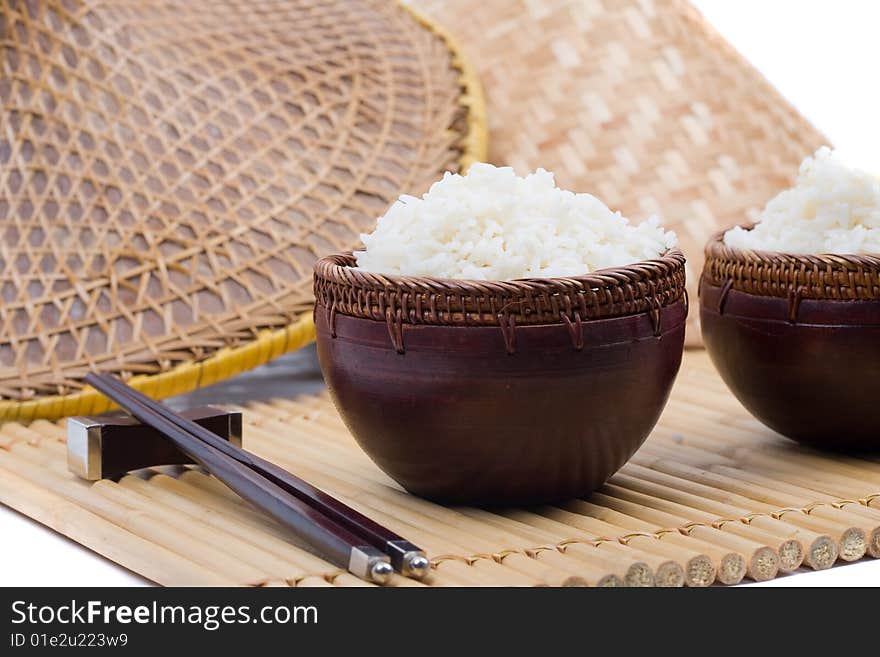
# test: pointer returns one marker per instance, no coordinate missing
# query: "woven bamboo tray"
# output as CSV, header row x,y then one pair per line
x,y
640,102
712,497
169,171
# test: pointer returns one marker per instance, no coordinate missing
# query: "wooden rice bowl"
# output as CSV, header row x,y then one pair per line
x,y
514,392
797,340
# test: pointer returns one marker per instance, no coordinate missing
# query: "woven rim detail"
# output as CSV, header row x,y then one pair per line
x,y
766,273
637,288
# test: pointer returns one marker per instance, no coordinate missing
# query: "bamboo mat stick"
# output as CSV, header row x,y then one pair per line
x,y
275,583
194,483
825,471
451,574
699,568
634,573
667,572
806,486
694,460
842,492
269,534
680,434
325,422
145,525
869,527
211,492
15,433
823,549
482,572
553,569
851,540
349,580
214,496
479,572
786,461
790,551
762,562
820,550
313,582
298,406
455,519
730,564
828,472
870,461
196,474
255,543
310,437
777,493
684,410
284,441
194,535
295,410
57,431
304,437
337,436
550,567
106,538
301,561
353,477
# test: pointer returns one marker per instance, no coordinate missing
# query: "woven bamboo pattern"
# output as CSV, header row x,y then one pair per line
x,y
169,172
642,287
712,497
639,102
824,276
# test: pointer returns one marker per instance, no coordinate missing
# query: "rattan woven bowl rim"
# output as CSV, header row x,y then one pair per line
x,y
269,344
823,276
641,287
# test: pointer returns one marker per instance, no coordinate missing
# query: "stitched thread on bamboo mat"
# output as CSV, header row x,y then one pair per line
x,y
685,530
561,546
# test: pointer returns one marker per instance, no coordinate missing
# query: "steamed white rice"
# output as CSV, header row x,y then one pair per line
x,y
494,225
833,208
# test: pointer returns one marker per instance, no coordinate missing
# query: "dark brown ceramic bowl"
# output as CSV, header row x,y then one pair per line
x,y
500,392
797,340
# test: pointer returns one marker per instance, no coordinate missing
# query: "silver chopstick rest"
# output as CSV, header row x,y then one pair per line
x,y
84,447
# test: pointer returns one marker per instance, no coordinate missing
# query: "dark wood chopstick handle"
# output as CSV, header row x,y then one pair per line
x,y
398,548
333,541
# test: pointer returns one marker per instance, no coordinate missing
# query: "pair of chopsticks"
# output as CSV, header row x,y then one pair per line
x,y
342,535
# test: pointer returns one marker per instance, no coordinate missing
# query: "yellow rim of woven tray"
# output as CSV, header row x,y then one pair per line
x,y
269,344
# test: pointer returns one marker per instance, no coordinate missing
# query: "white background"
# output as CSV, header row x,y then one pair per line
x,y
822,54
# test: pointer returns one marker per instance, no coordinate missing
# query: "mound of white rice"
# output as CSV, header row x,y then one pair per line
x,y
493,225
833,208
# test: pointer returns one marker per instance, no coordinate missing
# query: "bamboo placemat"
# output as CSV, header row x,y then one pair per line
x,y
712,497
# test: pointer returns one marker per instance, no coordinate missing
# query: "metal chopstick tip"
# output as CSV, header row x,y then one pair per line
x,y
380,572
370,564
416,565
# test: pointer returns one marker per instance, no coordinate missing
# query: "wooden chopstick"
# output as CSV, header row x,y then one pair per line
x,y
333,541
406,557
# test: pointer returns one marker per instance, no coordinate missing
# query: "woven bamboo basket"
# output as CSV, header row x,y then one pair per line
x,y
640,102
169,171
